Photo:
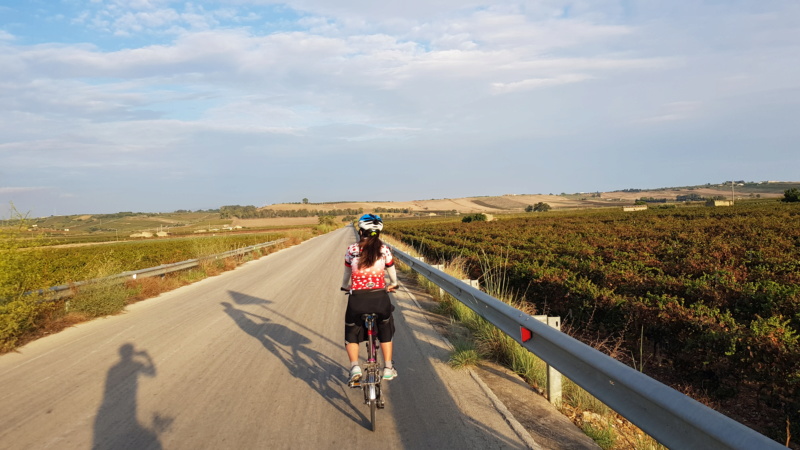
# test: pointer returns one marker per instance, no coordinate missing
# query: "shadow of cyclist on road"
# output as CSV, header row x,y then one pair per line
x,y
291,348
116,425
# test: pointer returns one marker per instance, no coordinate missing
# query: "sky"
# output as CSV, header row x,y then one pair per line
x,y
160,105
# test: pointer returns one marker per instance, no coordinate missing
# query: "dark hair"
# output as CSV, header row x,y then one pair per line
x,y
370,250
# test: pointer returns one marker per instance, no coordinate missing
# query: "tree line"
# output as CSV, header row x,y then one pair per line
x,y
251,212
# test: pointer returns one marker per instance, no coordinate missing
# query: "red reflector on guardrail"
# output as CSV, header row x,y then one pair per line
x,y
526,334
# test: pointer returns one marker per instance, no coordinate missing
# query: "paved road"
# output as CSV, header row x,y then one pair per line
x,y
252,358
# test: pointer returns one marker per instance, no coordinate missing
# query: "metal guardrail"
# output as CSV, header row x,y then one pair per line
x,y
66,290
672,418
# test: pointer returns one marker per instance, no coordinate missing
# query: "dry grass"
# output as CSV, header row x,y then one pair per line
x,y
275,222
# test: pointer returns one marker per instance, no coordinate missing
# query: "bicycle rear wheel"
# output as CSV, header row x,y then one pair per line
x,y
373,405
371,396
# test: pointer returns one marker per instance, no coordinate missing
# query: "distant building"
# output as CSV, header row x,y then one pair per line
x,y
162,234
719,203
635,208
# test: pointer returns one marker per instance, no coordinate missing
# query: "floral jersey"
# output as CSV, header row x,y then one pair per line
x,y
368,277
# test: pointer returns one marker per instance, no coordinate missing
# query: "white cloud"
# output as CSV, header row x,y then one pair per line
x,y
19,190
535,83
674,111
259,81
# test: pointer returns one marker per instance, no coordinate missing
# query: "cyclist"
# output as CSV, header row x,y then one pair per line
x,y
366,264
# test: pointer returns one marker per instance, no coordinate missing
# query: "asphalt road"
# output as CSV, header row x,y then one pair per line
x,y
252,358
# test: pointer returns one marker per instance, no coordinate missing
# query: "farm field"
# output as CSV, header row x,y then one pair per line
x,y
54,266
25,268
510,203
121,225
276,222
124,223
704,299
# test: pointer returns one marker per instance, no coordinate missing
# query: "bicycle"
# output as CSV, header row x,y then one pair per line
x,y
370,381
372,373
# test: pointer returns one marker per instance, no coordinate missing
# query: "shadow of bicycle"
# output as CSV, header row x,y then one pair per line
x,y
316,369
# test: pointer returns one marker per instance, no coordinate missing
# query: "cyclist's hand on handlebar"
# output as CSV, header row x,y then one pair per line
x,y
391,288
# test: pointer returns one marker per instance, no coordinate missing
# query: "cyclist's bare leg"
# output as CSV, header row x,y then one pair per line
x,y
352,351
386,349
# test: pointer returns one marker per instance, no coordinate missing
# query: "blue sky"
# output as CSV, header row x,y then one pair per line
x,y
158,105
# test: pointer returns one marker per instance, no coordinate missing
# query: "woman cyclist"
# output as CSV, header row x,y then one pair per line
x,y
366,263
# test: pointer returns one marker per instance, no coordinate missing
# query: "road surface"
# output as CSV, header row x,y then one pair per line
x,y
252,358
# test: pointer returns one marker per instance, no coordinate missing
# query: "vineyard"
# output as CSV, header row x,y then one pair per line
x,y
64,265
704,299
24,269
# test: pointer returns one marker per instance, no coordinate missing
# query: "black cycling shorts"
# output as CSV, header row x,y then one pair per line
x,y
364,302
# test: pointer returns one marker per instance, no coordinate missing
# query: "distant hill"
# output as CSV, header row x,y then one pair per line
x,y
122,224
517,203
460,205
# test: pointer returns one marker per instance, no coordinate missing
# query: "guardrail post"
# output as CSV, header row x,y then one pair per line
x,y
474,283
554,376
439,267
554,394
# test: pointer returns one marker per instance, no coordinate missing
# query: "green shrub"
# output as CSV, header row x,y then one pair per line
x,y
791,195
16,318
16,275
100,299
478,217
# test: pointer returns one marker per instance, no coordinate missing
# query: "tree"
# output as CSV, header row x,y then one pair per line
x,y
542,207
305,201
791,195
327,220
477,217
529,208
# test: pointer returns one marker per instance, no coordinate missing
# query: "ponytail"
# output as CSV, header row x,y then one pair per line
x,y
370,250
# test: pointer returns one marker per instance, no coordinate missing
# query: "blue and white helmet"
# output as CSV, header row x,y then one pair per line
x,y
370,224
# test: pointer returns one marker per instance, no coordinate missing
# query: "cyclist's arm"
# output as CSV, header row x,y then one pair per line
x,y
348,271
392,272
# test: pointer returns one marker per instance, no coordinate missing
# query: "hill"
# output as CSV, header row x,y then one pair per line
x,y
517,202
121,225
460,205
